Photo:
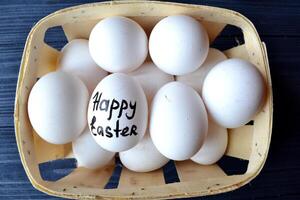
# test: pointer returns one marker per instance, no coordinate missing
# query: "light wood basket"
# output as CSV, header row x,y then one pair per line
x,y
250,142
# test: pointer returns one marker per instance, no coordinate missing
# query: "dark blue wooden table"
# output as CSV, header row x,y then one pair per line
x,y
278,23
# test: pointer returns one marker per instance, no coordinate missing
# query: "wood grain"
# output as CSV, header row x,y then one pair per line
x,y
276,21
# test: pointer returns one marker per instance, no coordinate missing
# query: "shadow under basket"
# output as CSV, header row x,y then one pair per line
x,y
249,143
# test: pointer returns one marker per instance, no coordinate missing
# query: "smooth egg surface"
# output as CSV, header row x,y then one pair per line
x,y
178,44
75,59
233,92
118,113
118,44
214,145
196,79
88,153
178,121
144,157
151,79
57,107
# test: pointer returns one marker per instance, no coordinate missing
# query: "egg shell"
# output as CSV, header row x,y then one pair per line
x,y
88,153
118,44
144,157
57,107
214,145
178,122
118,113
178,44
75,59
233,92
196,79
151,78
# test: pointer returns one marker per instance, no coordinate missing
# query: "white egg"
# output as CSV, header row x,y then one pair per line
x,y
118,44
88,153
118,113
178,122
57,107
151,79
144,157
178,44
214,145
75,59
233,92
195,79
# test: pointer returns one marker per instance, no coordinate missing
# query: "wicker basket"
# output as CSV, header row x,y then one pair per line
x,y
250,142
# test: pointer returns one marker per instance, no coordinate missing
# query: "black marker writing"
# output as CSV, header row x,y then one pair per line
x,y
92,124
133,107
96,101
114,106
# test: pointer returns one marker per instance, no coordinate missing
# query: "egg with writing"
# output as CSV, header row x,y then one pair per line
x,y
57,107
178,44
88,153
214,145
118,44
178,121
118,113
151,78
195,79
75,59
233,92
143,157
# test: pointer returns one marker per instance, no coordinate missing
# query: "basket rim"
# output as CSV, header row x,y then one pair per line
x,y
21,76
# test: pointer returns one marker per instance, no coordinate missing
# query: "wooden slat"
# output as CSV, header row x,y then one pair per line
x,y
79,30
137,179
191,171
213,29
237,52
46,60
82,29
82,177
45,151
240,142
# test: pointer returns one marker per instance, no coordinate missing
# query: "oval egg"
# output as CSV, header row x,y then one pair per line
x,y
57,107
118,113
144,157
88,153
151,78
196,79
233,92
118,44
178,122
178,44
214,145
75,59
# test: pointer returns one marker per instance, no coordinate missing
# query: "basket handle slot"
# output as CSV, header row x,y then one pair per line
x,y
56,169
55,37
170,173
113,181
233,166
231,36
